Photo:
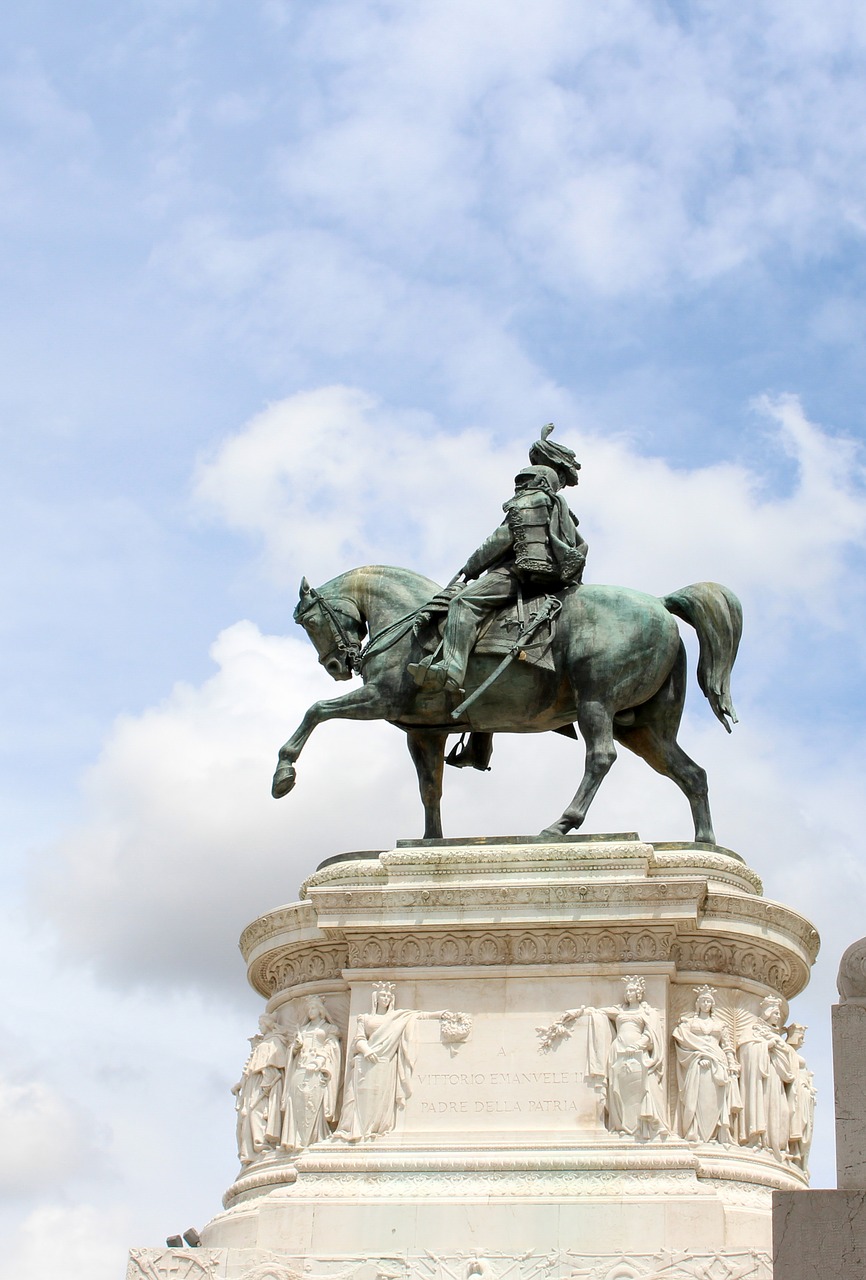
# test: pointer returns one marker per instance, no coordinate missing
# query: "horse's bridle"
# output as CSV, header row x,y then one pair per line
x,y
343,642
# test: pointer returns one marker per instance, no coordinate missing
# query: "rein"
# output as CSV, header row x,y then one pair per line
x,y
356,653
343,642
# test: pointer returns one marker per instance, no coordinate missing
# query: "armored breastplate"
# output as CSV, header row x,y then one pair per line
x,y
528,516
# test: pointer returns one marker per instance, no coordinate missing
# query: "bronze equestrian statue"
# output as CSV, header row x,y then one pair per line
x,y
607,660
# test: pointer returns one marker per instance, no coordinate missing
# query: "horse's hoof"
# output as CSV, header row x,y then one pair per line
x,y
284,779
551,833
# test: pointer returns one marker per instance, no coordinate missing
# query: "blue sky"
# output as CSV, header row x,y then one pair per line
x,y
291,287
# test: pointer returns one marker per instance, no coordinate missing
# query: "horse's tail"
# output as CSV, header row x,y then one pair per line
x,y
717,616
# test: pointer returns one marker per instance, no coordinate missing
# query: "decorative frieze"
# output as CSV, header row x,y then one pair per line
x,y
283,969
488,1263
786,974
508,947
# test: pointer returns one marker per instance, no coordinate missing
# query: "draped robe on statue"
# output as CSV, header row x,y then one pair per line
x,y
376,1090
709,1096
627,1057
767,1066
259,1096
801,1106
312,1084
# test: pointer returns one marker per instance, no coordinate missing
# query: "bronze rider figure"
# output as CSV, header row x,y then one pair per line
x,y
536,550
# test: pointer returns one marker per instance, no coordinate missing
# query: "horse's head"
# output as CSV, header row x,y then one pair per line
x,y
336,629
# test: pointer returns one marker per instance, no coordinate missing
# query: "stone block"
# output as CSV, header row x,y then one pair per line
x,y
819,1235
849,1072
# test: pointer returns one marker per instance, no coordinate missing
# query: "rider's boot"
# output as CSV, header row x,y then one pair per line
x,y
449,672
419,671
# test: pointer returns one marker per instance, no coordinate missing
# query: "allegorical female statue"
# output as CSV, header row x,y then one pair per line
x,y
801,1098
312,1078
381,1061
625,1048
707,1071
767,1067
259,1091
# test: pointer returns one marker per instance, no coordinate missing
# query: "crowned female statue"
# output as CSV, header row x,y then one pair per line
x,y
381,1061
625,1050
707,1072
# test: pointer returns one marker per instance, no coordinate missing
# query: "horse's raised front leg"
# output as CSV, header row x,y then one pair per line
x,y
365,703
427,749
595,722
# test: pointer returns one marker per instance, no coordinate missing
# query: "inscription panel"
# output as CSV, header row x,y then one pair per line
x,y
501,1079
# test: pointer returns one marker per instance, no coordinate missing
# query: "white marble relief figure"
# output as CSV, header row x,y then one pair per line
x,y
801,1098
625,1049
259,1091
708,1100
312,1078
381,1061
767,1067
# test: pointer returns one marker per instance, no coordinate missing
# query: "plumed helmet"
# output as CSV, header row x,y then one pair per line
x,y
546,453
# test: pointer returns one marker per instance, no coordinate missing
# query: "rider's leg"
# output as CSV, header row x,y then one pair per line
x,y
466,613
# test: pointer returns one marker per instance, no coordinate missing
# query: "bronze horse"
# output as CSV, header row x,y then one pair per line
x,y
619,675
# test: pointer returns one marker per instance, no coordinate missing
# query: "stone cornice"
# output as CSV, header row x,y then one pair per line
x,y
477,904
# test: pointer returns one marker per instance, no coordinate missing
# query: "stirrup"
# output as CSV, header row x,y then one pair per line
x,y
419,671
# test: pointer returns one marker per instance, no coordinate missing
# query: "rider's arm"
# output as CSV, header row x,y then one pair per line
x,y
491,550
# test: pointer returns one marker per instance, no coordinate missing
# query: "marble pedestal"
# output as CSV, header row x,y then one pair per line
x,y
500,1160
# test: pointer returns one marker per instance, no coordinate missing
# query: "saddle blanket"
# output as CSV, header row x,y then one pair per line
x,y
499,632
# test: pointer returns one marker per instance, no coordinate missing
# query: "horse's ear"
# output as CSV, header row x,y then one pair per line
x,y
305,589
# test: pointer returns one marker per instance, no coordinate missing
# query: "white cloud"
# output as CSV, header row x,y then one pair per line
x,y
350,481
79,1242
46,1138
784,548
334,478
183,844
611,148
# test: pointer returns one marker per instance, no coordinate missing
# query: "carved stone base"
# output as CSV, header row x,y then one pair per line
x,y
529,1264
509,1103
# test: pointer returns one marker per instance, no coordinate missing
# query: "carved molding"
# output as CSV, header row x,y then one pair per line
x,y
725,868
296,916
289,967
275,1173
285,968
510,947
590,895
623,1156
348,873
536,1183
667,1265
747,959
561,855
487,1263
756,910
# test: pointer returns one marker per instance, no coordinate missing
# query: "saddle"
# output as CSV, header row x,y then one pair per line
x,y
496,637
499,631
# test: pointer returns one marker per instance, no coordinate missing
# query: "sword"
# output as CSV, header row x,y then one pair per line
x,y
546,613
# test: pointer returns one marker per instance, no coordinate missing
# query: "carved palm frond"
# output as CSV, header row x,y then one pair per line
x,y
736,1018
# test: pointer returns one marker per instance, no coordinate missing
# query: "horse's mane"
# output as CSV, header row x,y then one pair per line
x,y
358,584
